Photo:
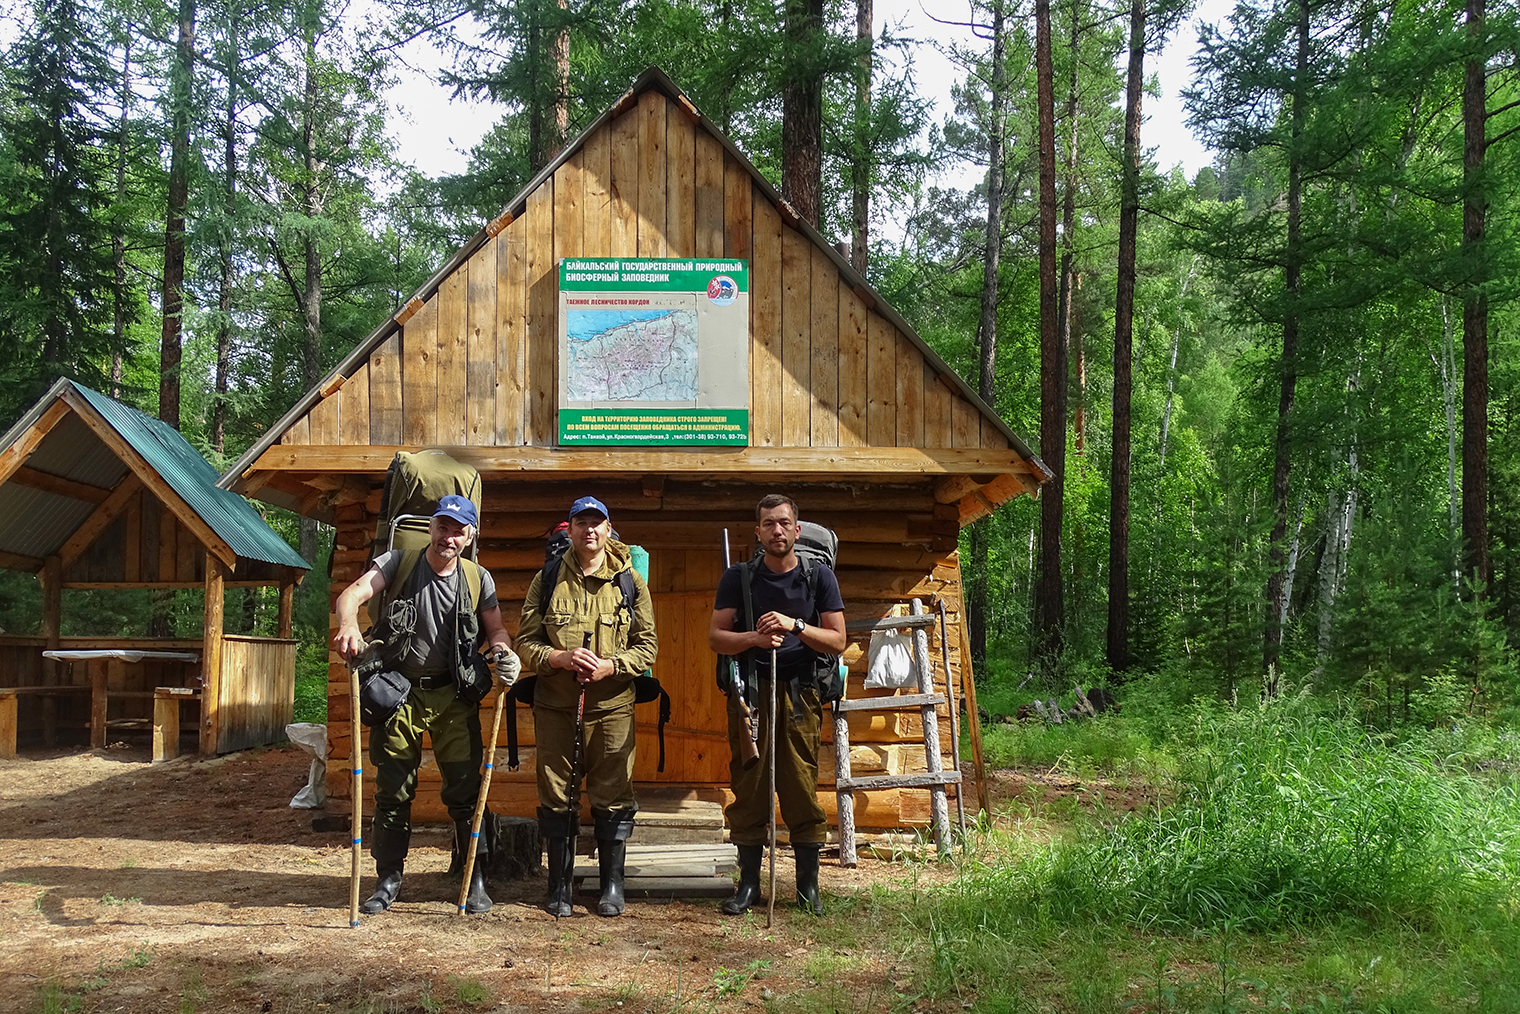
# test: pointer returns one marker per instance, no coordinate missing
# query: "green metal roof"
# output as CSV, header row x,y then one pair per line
x,y
166,450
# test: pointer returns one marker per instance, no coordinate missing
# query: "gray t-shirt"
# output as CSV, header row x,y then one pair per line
x,y
428,652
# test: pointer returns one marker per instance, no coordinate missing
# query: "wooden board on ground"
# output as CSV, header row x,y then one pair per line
x,y
667,887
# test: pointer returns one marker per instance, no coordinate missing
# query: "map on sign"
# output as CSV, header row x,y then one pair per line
x,y
643,355
653,350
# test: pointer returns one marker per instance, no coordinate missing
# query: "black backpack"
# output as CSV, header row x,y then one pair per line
x,y
646,687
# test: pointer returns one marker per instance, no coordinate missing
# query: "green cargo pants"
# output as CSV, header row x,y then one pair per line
x,y
606,758
796,773
395,752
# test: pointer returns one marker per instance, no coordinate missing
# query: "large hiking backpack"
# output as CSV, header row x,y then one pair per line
x,y
414,483
816,546
646,687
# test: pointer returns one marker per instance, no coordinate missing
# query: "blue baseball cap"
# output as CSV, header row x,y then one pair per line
x,y
589,503
457,507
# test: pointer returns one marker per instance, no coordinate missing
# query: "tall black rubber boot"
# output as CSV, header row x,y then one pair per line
x,y
613,829
559,849
389,847
477,901
747,894
806,855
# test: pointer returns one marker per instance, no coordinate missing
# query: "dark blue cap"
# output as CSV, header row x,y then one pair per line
x,y
589,503
457,507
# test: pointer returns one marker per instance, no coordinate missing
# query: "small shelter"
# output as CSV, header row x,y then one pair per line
x,y
97,495
811,384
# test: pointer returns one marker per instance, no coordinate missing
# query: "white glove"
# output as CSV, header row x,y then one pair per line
x,y
508,666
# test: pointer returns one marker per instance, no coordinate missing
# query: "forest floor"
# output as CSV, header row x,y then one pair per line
x,y
193,886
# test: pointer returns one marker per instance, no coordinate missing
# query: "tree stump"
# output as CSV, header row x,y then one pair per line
x,y
513,847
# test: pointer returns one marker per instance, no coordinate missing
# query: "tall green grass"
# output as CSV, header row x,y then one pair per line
x,y
1285,828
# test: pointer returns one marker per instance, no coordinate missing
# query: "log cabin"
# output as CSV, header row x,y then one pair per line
x,y
809,384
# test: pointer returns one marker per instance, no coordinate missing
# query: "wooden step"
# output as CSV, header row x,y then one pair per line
x,y
898,703
666,887
918,781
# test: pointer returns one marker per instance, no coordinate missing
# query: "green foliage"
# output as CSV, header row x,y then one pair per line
x,y
1108,745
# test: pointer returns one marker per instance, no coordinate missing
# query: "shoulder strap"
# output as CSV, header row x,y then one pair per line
x,y
472,581
629,589
548,578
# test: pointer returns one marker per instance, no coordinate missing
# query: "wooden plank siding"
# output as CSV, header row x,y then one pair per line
x,y
476,363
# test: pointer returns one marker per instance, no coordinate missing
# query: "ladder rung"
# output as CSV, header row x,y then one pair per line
x,y
893,623
919,781
890,703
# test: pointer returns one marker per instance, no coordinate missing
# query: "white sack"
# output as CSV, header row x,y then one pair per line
x,y
311,737
890,660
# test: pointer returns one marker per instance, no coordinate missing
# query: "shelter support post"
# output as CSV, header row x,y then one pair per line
x,y
211,655
7,725
973,715
52,632
287,607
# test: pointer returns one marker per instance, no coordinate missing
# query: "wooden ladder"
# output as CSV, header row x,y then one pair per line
x,y
935,778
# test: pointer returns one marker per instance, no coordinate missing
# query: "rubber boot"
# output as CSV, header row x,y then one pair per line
x,y
610,857
806,855
747,894
389,847
559,848
613,829
477,901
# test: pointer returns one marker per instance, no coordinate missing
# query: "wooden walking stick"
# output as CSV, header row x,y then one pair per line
x,y
356,829
485,786
770,800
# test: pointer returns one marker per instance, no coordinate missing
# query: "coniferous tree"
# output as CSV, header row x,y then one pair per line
x,y
56,243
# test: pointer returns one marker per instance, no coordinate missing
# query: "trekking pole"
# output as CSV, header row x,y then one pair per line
x,y
575,764
356,828
770,799
485,785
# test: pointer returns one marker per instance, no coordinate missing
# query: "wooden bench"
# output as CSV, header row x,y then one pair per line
x,y
8,710
165,722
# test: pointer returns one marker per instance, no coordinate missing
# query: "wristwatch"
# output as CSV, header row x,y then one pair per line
x,y
799,625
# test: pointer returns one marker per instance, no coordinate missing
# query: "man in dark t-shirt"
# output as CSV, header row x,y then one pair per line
x,y
799,619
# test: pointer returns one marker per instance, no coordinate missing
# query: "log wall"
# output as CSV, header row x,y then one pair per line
x,y
896,546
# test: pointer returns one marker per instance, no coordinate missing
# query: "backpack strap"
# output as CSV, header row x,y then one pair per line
x,y
664,717
472,581
548,578
629,589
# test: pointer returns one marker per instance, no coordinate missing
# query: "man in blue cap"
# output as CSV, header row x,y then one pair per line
x,y
586,631
437,609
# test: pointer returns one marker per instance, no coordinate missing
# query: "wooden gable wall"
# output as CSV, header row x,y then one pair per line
x,y
474,364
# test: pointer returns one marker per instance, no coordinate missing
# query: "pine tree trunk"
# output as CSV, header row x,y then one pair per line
x,y
1068,275
118,228
986,328
224,296
1447,365
561,88
1288,368
1049,619
802,116
860,170
1124,319
1475,301
174,220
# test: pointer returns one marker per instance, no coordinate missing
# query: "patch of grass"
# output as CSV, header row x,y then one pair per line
x,y
1107,745
469,992
52,998
111,899
731,981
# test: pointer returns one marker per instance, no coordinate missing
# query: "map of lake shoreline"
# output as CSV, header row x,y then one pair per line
x,y
646,355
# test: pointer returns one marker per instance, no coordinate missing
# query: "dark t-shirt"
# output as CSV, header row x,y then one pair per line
x,y
429,653
786,594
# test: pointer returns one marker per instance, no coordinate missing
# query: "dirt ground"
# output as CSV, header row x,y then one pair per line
x,y
193,886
